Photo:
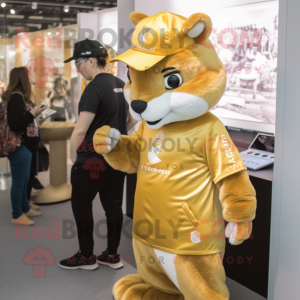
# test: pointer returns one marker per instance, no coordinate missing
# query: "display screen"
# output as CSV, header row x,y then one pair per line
x,y
264,143
247,45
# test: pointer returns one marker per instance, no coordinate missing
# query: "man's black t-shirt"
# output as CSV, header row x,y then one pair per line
x,y
104,97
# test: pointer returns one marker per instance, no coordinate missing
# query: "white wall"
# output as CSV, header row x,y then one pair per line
x,y
87,26
187,7
125,7
107,22
285,242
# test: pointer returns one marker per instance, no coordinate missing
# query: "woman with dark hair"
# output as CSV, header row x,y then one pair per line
x,y
21,114
58,100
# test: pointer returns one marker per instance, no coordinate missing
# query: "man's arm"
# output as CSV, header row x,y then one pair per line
x,y
83,123
130,121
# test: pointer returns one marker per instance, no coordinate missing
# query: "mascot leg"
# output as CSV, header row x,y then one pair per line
x,y
152,282
201,277
167,276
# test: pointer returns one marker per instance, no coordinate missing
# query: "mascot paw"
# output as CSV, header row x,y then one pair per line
x,y
105,139
238,232
133,287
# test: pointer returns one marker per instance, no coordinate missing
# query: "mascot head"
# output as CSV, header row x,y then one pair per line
x,y
173,69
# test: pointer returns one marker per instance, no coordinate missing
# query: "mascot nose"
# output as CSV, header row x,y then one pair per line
x,y
138,106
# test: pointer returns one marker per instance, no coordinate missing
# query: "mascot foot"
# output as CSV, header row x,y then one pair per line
x,y
133,287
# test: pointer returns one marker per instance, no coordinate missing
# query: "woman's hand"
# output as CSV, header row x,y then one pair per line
x,y
40,120
38,109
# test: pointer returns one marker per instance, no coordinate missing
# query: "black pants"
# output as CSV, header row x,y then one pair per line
x,y
33,172
85,186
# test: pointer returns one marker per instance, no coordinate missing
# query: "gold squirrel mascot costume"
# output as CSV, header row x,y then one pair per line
x,y
190,177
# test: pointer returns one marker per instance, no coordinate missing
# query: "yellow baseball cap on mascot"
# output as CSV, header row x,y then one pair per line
x,y
153,39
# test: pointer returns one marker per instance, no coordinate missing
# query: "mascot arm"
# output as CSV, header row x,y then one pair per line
x,y
238,200
122,152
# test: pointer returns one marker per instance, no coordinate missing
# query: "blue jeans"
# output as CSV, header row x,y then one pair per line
x,y
20,162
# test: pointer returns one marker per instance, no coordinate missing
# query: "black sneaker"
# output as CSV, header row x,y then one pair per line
x,y
36,184
113,261
78,261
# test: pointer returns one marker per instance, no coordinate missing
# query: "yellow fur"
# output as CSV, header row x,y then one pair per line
x,y
202,71
136,17
125,156
206,273
194,20
237,196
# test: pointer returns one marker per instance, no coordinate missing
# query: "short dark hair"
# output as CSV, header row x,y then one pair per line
x,y
101,60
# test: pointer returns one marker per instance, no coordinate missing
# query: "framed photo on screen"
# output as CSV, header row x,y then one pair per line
x,y
246,40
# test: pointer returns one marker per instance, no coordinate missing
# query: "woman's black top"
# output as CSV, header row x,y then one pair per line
x,y
18,119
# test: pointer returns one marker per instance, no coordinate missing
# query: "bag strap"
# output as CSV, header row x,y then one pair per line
x,y
26,105
17,93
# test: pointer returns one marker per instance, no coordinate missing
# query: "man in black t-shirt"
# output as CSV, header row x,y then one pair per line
x,y
102,103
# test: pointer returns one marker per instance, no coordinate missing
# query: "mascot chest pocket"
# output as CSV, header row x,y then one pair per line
x,y
165,149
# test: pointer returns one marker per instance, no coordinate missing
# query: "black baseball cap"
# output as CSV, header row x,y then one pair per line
x,y
88,48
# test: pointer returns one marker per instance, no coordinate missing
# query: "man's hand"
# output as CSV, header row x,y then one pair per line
x,y
105,139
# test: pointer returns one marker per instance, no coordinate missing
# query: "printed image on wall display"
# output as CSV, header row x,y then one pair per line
x,y
247,43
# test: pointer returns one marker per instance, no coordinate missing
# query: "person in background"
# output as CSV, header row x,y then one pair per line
x,y
33,182
2,89
226,56
36,184
256,61
21,115
102,103
75,97
273,70
67,87
255,58
58,100
69,110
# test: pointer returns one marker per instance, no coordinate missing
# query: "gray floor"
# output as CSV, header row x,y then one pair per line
x,y
17,280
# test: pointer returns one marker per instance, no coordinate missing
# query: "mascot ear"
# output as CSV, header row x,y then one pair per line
x,y
197,26
136,17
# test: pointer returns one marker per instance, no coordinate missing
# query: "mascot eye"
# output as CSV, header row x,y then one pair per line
x,y
173,80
